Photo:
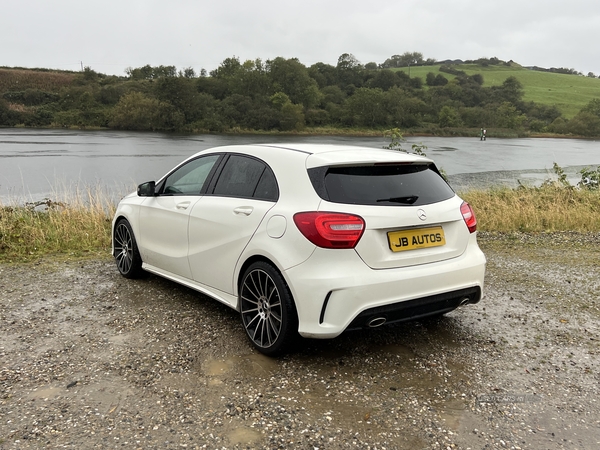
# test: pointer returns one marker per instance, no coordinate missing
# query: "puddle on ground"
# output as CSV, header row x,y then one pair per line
x,y
215,367
45,393
120,339
255,364
243,435
452,412
397,349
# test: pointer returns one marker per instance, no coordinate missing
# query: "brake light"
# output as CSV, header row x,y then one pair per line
x,y
329,229
469,216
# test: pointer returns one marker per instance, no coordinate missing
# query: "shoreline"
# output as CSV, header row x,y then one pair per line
x,y
466,132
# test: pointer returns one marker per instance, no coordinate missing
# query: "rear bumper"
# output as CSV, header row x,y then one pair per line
x,y
415,309
335,290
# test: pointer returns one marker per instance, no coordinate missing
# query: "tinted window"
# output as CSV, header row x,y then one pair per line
x,y
190,178
239,177
397,184
267,187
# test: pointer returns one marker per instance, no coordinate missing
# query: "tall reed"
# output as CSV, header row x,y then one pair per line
x,y
551,207
78,224
73,225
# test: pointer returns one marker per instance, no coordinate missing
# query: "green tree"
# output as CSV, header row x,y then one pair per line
x,y
228,68
477,116
365,107
252,80
148,72
384,79
404,60
449,117
292,117
584,124
181,92
89,75
402,109
510,91
508,116
333,94
349,72
323,74
291,77
8,117
559,125
593,107
136,111
188,72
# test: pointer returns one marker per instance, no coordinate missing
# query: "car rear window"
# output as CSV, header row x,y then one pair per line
x,y
389,184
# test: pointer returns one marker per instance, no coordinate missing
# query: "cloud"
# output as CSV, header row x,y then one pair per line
x,y
113,35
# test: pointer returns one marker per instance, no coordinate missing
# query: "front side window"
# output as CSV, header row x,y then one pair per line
x,y
190,178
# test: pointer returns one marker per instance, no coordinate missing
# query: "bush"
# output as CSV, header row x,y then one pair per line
x,y
30,97
537,125
584,124
136,111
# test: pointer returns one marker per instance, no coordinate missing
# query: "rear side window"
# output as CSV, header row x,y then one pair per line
x,y
247,177
393,184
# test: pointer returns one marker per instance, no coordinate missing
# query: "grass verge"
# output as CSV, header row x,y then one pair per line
x,y
548,208
78,226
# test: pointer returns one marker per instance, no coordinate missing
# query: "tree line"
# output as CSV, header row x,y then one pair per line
x,y
284,94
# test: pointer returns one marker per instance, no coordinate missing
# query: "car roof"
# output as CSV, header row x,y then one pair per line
x,y
319,155
336,154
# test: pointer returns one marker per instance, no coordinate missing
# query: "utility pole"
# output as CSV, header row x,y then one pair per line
x,y
82,66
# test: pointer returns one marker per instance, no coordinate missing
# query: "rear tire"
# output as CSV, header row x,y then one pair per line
x,y
126,253
267,310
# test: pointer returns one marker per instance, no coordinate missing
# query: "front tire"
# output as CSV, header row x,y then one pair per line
x,y
126,253
267,309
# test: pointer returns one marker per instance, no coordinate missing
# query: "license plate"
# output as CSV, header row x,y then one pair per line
x,y
416,238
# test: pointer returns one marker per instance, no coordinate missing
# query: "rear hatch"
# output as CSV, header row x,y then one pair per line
x,y
411,214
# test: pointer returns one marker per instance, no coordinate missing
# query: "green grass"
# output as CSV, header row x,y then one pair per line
x,y
75,226
569,93
79,226
531,209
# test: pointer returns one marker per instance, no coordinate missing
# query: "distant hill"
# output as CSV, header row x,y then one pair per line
x,y
285,95
569,93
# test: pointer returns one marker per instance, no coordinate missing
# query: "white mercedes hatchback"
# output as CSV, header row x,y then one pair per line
x,y
305,239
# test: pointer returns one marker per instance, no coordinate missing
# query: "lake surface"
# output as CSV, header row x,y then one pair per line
x,y
35,164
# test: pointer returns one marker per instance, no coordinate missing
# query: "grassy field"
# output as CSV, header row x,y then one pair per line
x,y
568,92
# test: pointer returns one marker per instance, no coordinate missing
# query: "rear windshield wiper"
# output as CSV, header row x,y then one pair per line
x,y
408,200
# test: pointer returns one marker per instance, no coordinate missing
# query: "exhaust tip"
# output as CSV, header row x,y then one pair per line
x,y
376,322
464,301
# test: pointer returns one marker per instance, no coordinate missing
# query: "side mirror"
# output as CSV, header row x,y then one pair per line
x,y
146,189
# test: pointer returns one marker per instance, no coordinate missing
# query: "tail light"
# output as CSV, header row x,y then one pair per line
x,y
329,229
469,216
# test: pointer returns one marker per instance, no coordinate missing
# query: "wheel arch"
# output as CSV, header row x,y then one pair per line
x,y
257,258
116,220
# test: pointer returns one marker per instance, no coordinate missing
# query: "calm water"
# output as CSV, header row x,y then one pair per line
x,y
43,163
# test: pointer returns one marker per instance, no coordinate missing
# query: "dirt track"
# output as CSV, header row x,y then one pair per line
x,y
91,360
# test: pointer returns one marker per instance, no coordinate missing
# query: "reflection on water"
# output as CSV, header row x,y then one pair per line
x,y
42,163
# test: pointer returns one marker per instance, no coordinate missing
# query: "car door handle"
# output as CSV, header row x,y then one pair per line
x,y
246,210
182,205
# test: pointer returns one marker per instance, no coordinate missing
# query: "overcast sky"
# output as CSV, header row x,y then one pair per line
x,y
111,35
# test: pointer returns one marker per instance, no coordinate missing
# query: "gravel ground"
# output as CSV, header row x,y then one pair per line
x,y
91,360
